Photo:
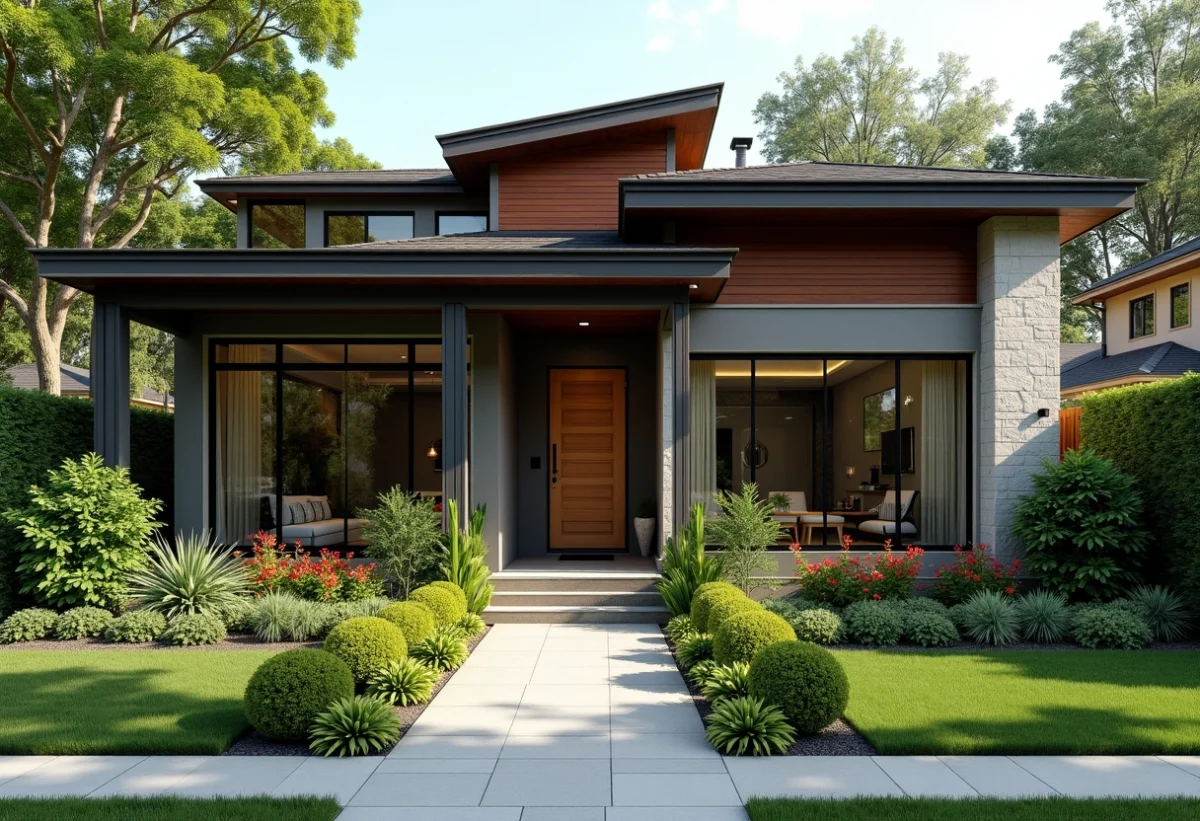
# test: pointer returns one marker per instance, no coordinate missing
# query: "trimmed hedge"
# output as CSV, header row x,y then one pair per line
x,y
291,689
740,636
807,682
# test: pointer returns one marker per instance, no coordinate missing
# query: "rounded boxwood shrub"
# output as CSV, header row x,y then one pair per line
x,y
447,602
706,595
366,643
805,681
928,629
291,689
415,620
740,636
136,627
723,608
817,625
81,623
873,623
1112,627
189,629
30,624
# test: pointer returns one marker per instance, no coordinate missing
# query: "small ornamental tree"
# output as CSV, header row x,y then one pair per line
x,y
1082,527
745,530
84,531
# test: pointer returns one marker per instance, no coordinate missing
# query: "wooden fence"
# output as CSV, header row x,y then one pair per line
x,y
1068,430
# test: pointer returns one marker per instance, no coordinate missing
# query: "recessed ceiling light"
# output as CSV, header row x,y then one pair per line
x,y
584,324
787,419
694,286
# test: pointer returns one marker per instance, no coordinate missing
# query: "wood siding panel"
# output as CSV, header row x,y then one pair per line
x,y
577,188
1070,436
854,265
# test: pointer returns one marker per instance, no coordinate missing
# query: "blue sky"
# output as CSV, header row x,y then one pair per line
x,y
431,67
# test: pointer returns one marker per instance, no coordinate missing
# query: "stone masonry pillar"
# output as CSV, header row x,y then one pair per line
x,y
1019,288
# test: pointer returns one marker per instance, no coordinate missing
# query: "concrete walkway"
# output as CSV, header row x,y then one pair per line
x,y
587,723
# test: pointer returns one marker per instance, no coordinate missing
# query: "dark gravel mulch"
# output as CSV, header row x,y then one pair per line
x,y
254,743
234,642
838,738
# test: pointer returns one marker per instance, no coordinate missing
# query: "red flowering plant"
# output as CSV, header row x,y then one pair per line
x,y
974,569
849,578
328,578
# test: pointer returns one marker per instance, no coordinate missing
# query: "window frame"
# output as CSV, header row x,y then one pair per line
x,y
366,215
1171,304
1133,303
288,201
437,222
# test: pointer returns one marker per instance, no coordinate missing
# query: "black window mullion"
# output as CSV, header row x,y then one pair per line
x,y
899,449
753,460
825,494
279,443
412,424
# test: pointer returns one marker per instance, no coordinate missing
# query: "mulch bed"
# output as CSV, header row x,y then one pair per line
x,y
234,642
839,738
254,743
971,647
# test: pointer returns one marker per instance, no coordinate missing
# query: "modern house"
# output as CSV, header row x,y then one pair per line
x,y
576,316
77,383
1146,328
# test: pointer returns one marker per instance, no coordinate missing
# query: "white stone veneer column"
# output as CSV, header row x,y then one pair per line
x,y
1019,290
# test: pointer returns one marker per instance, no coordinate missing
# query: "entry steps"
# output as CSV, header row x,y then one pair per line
x,y
572,596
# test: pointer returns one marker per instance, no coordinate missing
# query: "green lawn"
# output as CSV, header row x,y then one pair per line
x,y
980,809
1037,702
55,702
168,809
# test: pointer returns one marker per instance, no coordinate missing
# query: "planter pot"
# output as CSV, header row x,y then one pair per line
x,y
644,528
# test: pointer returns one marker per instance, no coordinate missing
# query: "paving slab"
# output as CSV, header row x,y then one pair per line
x,y
631,744
809,777
430,814
480,695
925,776
1187,763
534,719
236,775
996,776
657,718
669,765
421,790
68,775
436,765
461,746
557,746
596,673
339,777
674,790
557,783
151,776
491,675
13,765
563,814
568,695
446,720
1116,776
676,814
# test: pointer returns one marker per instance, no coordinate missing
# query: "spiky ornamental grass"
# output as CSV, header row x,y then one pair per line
x,y
471,625
991,618
198,575
727,681
680,628
403,682
694,650
1044,616
360,725
444,651
701,671
749,726
1163,610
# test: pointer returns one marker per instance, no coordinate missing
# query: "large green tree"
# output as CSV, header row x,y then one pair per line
x,y
870,107
109,105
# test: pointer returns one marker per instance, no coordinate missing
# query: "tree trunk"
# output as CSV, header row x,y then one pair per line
x,y
47,356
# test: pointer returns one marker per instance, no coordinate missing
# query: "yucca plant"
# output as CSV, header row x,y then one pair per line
x,y
749,726
701,671
727,681
1044,616
464,558
472,625
442,651
198,575
359,725
685,567
403,682
1163,611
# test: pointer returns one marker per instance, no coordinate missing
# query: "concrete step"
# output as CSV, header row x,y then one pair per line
x,y
574,598
577,614
550,582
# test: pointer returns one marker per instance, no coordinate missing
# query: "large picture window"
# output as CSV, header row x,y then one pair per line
x,y
306,433
870,449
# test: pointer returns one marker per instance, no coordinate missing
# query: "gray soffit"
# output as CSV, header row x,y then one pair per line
x,y
1178,252
369,181
1165,360
580,120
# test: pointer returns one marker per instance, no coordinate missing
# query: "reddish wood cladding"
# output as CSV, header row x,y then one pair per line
x,y
860,264
575,188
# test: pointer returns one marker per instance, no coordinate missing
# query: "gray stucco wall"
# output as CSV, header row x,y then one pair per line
x,y
493,434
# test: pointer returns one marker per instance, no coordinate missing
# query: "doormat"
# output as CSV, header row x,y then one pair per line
x,y
599,557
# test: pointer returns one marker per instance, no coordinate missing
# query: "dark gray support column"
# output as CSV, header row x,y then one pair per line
x,y
494,197
110,383
454,407
681,348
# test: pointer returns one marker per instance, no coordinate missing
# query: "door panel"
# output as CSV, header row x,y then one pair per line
x,y
587,458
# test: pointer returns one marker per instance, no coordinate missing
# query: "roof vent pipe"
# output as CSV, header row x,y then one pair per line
x,y
740,145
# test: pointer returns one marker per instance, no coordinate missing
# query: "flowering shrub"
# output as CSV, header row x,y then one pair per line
x,y
974,570
885,575
330,578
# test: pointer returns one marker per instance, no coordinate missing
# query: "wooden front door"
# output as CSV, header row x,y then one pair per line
x,y
587,458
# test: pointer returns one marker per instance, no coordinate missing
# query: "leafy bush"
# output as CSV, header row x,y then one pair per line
x,y
680,628
694,649
706,596
700,672
404,532
196,576
685,567
783,606
1163,611
359,725
741,726
1109,626
973,570
727,681
445,650
464,559
240,615
446,601
193,629
817,625
330,578
805,681
135,627
30,624
284,617
84,530
927,629
289,690
722,609
350,609
1081,527
991,618
366,643
745,530
81,623
742,635
414,619
873,623
403,682
848,579
471,625
1044,616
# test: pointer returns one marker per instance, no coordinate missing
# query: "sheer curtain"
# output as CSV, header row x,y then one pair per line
x,y
239,448
941,457
703,408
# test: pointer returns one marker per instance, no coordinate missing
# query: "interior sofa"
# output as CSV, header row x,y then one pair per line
x,y
310,520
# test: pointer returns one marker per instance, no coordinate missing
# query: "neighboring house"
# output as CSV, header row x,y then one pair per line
x,y
1146,324
575,317
77,383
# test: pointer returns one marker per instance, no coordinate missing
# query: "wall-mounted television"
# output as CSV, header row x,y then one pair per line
x,y
887,452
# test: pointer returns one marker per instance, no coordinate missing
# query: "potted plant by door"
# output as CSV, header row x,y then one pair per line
x,y
644,523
